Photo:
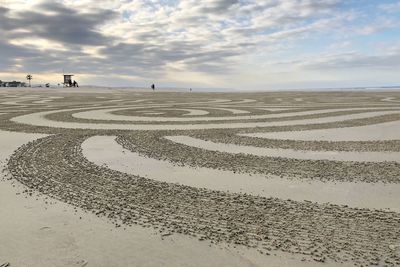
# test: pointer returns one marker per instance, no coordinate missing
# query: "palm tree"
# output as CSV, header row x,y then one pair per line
x,y
29,78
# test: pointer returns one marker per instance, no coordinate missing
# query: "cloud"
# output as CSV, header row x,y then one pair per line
x,y
378,25
159,39
352,60
62,24
391,7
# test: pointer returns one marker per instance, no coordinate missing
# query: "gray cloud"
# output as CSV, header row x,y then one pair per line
x,y
151,53
353,61
147,58
145,38
219,6
65,25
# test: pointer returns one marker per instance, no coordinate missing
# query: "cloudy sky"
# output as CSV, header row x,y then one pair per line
x,y
243,44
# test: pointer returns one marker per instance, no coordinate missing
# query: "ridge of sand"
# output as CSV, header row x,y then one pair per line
x,y
381,131
287,153
361,195
48,233
38,119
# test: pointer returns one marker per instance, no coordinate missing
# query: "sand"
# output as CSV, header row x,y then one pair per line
x,y
38,119
381,131
115,177
104,114
359,195
287,153
39,231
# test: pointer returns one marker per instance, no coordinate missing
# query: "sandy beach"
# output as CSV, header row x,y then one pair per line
x,y
129,177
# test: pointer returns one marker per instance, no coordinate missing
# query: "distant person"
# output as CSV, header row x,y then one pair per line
x,y
69,83
153,86
75,84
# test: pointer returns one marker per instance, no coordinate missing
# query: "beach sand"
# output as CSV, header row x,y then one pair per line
x,y
119,177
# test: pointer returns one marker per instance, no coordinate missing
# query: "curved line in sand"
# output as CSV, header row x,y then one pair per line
x,y
244,101
272,109
47,100
39,119
191,112
231,110
390,99
375,132
363,195
105,114
286,153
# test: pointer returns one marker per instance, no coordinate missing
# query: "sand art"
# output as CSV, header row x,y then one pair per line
x,y
298,180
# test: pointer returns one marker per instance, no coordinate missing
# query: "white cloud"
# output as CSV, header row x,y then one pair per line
x,y
391,8
161,39
378,25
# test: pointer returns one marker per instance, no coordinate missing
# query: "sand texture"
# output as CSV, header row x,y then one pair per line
x,y
118,177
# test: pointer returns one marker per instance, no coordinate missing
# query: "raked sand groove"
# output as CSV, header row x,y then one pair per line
x,y
263,223
287,153
220,167
104,114
362,195
381,131
39,119
153,144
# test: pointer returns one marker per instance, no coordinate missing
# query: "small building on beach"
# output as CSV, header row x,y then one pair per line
x,y
67,80
12,84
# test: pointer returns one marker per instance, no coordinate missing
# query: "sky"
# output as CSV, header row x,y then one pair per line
x,y
238,44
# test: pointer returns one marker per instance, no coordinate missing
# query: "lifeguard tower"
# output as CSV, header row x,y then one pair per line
x,y
67,80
